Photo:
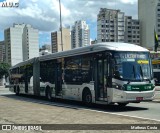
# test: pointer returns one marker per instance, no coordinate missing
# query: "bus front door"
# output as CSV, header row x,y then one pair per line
x,y
101,78
58,82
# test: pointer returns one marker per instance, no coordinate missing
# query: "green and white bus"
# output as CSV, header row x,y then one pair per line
x,y
103,73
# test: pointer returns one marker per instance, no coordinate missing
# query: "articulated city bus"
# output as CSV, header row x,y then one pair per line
x,y
104,73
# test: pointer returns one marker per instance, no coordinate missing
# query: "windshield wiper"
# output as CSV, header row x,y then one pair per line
x,y
128,82
148,80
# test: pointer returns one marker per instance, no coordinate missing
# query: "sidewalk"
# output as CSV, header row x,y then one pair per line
x,y
4,91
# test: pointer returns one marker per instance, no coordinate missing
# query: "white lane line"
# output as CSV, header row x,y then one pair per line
x,y
2,94
118,114
123,115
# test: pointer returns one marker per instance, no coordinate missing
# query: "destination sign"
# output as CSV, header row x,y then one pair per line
x,y
132,56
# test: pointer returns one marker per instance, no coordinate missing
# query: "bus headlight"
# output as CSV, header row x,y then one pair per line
x,y
119,87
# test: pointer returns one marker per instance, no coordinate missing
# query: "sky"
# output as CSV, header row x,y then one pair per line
x,y
44,14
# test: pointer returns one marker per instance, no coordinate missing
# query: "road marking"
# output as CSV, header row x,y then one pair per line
x,y
124,115
81,107
2,94
108,112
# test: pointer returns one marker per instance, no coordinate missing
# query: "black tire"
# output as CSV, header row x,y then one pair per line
x,y
87,97
17,90
49,94
122,104
14,89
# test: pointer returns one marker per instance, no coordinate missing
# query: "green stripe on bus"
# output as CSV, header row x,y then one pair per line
x,y
138,87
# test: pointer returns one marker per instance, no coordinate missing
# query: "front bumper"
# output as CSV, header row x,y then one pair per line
x,y
132,96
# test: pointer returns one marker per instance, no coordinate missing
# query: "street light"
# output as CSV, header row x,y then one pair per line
x,y
61,24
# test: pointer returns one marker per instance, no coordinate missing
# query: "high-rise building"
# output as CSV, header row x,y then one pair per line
x,y
110,25
80,34
149,17
30,42
114,26
21,42
56,45
2,51
132,30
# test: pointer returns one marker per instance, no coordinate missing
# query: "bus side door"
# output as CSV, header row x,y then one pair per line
x,y
58,80
101,74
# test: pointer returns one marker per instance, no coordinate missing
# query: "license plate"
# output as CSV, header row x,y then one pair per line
x,y
139,98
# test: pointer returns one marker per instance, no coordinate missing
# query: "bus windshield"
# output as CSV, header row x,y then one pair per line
x,y
134,66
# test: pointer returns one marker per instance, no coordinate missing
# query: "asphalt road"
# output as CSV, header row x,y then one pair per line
x,y
144,110
30,110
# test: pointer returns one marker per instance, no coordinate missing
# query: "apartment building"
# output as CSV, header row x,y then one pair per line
x,y
2,51
21,43
132,30
114,26
56,45
80,34
110,25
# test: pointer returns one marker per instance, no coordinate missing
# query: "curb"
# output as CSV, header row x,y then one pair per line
x,y
155,101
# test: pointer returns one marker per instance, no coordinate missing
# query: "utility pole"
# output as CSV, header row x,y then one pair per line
x,y
61,24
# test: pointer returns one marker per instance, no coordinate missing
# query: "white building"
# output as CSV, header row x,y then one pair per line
x,y
149,17
80,34
21,42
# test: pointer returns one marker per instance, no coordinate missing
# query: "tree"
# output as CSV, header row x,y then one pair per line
x,y
4,68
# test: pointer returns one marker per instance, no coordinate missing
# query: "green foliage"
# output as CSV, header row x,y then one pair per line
x,y
4,67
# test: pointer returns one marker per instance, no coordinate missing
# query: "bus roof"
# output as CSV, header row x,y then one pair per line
x,y
111,46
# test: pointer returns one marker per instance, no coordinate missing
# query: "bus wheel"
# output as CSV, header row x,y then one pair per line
x,y
14,89
87,97
48,94
17,90
122,104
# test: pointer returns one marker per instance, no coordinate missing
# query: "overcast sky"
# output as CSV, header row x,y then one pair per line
x,y
44,14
